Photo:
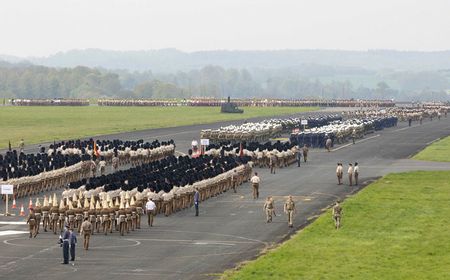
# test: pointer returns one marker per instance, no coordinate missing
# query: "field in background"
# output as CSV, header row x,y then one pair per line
x,y
396,228
43,124
438,151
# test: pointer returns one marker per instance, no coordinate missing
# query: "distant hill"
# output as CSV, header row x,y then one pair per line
x,y
172,60
170,73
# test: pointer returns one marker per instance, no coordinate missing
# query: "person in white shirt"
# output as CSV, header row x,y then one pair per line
x,y
350,174
339,173
194,146
150,208
356,172
255,180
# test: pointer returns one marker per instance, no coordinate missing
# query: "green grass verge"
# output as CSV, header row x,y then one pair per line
x,y
396,228
438,151
41,124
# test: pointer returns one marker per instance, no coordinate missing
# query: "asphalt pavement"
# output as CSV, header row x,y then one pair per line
x,y
231,227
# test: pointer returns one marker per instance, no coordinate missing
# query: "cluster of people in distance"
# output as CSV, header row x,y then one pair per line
x,y
352,173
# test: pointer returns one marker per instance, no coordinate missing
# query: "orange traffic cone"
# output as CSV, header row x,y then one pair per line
x,y
31,204
14,203
22,212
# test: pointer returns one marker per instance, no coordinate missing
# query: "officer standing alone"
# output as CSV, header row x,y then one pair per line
x,y
289,208
196,201
86,230
305,152
337,211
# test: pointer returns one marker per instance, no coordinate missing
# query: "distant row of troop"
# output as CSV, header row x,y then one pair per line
x,y
256,102
50,102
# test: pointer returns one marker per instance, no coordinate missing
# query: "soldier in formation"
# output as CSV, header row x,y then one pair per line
x,y
31,221
50,102
246,102
71,161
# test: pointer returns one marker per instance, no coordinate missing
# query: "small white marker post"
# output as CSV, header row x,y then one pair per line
x,y
7,190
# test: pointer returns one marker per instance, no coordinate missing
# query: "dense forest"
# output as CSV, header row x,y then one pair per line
x,y
308,80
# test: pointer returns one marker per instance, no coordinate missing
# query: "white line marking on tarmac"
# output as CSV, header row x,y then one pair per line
x,y
213,233
142,274
137,243
7,242
350,144
11,232
225,242
12,223
216,243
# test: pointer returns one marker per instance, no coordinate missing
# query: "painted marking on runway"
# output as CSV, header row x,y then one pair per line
x,y
196,242
350,144
216,243
11,232
136,243
12,223
213,233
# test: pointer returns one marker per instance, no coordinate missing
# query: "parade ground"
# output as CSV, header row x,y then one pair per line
x,y
231,227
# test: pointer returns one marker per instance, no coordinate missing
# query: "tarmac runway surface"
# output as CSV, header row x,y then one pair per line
x,y
231,227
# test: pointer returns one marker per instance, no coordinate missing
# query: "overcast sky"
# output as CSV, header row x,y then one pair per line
x,y
44,27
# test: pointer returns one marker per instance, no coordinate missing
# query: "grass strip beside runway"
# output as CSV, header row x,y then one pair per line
x,y
438,151
396,228
43,124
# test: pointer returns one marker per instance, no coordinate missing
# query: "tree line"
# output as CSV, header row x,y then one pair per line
x,y
31,81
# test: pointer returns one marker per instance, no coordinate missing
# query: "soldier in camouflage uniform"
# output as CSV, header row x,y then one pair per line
x,y
289,209
337,212
269,208
31,221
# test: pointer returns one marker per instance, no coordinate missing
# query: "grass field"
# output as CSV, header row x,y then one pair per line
x,y
396,228
41,124
438,151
